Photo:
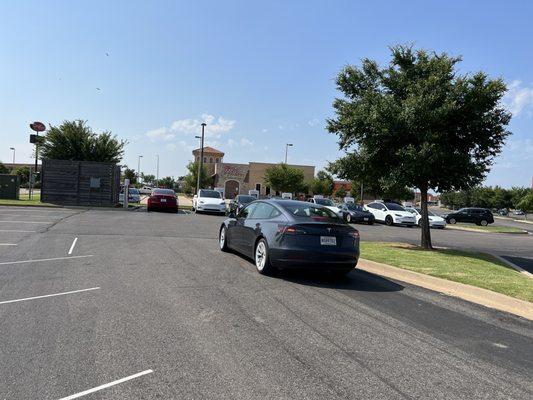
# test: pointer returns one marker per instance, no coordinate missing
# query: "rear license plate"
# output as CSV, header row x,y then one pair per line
x,y
366,219
328,240
163,200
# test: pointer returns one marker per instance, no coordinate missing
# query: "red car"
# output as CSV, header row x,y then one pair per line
x,y
163,199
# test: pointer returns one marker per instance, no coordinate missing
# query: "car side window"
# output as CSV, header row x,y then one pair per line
x,y
247,211
371,205
262,211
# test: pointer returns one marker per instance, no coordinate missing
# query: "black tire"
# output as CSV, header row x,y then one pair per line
x,y
223,239
262,262
483,222
420,223
452,221
389,221
148,209
340,273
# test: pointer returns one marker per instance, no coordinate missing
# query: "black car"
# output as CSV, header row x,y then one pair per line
x,y
280,234
238,203
352,212
479,216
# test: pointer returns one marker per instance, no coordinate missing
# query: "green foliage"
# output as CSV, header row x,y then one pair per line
x,y
24,175
526,204
130,174
167,183
3,169
340,193
418,123
74,140
283,178
190,180
322,184
148,179
488,197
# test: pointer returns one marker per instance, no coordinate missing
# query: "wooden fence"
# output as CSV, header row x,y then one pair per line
x,y
84,183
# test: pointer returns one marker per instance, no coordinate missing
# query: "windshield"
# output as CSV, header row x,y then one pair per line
x,y
133,191
354,207
210,193
245,199
311,212
394,207
166,192
325,202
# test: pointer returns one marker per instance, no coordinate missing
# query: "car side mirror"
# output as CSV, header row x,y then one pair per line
x,y
232,214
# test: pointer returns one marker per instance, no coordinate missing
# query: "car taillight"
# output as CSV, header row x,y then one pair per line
x,y
354,234
290,230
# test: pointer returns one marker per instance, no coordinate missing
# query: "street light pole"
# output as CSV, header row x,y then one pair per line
x,y
12,148
157,172
286,150
201,163
139,169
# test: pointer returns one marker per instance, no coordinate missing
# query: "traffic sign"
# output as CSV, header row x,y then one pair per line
x,y
38,126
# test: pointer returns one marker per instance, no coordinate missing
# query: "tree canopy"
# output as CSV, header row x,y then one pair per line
x,y
488,197
322,184
190,180
526,204
75,140
3,169
418,123
283,178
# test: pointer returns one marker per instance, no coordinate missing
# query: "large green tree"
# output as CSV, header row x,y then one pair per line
x,y
283,178
3,169
419,123
130,174
526,204
322,184
190,180
75,140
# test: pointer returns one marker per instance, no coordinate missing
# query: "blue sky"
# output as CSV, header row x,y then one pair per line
x,y
260,72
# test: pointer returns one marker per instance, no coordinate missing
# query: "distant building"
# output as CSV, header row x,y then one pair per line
x,y
12,166
235,178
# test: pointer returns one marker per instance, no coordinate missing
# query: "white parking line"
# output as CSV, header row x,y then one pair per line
x,y
28,222
43,259
49,295
14,230
72,246
105,386
8,244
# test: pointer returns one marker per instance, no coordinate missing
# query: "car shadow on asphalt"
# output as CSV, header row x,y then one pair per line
x,y
357,280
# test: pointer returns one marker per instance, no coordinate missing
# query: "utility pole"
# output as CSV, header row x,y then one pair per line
x,y
362,194
201,163
12,148
286,150
139,169
157,172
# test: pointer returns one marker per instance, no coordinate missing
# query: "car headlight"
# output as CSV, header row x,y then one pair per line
x,y
399,215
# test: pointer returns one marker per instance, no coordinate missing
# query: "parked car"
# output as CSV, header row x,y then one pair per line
x,y
391,213
328,203
133,196
503,212
435,221
352,212
238,203
478,216
146,190
518,212
208,200
162,199
291,234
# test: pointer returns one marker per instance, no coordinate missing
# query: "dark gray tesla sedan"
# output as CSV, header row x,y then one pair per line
x,y
280,234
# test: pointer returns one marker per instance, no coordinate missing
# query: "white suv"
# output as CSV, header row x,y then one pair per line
x,y
328,203
209,201
391,213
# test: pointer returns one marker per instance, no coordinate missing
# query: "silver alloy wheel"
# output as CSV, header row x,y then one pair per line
x,y
484,223
348,218
452,221
222,238
260,255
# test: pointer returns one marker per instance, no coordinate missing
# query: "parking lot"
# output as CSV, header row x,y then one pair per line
x,y
112,304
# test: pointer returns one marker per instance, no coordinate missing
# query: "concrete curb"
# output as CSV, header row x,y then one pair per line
x,y
473,294
461,228
524,221
513,265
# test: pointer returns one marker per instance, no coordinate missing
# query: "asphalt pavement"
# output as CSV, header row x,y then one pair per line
x,y
146,306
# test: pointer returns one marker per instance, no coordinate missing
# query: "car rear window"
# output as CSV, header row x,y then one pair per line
x,y
308,211
164,192
245,199
394,207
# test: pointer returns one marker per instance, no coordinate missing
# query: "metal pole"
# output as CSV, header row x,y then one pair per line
x,y
139,169
362,194
12,148
157,173
286,150
201,163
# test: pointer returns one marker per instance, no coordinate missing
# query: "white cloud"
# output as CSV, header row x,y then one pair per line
x,y
171,146
246,143
160,134
243,142
313,122
519,98
264,130
215,126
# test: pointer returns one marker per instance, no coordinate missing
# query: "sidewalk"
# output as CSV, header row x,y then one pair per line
x,y
473,294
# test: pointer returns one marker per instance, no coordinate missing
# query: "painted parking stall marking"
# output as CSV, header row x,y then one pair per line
x,y
44,259
107,385
49,295
72,246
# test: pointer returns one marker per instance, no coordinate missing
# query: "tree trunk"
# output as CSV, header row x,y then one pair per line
x,y
426,233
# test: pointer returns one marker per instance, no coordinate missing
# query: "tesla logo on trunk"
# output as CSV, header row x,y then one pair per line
x,y
329,230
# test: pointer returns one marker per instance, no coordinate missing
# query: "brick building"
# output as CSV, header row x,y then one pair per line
x,y
234,178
